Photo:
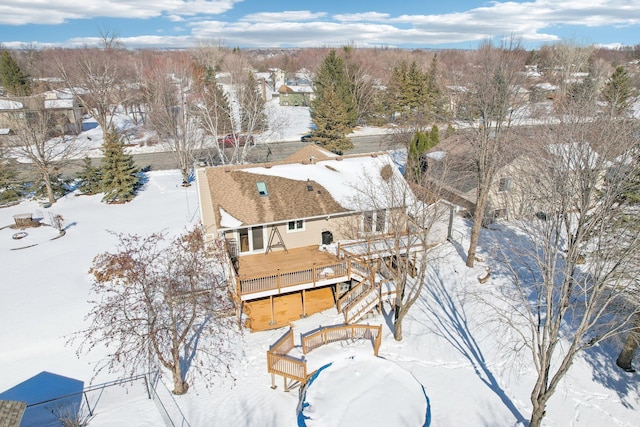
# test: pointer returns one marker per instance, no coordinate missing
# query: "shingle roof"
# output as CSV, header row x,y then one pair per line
x,y
332,179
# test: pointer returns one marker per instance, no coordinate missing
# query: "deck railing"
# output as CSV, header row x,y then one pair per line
x,y
379,246
278,363
295,370
281,279
352,295
340,333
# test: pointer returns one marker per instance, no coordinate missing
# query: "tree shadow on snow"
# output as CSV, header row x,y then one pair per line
x,y
449,320
602,358
519,262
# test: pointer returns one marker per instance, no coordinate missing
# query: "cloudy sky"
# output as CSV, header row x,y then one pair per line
x,y
278,23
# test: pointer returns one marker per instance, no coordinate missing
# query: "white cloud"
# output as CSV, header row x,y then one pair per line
x,y
534,21
358,17
287,15
19,12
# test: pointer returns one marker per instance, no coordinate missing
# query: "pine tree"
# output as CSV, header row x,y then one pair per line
x,y
618,93
10,189
58,184
13,79
120,178
332,123
89,178
252,115
332,76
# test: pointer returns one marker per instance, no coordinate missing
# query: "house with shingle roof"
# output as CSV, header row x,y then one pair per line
x,y
279,221
296,95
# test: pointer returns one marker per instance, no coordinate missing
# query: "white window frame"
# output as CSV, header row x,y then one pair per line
x,y
374,221
298,225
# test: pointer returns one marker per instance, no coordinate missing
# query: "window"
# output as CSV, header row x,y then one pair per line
x,y
295,225
505,184
262,189
374,221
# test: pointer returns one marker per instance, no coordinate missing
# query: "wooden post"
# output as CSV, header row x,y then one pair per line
x,y
273,311
278,282
273,381
314,272
304,308
450,230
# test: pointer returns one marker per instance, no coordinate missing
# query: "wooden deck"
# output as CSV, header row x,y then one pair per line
x,y
295,259
277,273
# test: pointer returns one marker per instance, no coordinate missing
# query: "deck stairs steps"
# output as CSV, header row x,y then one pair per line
x,y
363,298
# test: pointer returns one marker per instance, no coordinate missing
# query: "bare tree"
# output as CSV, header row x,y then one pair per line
x,y
39,138
577,258
173,111
401,224
97,76
562,63
161,302
492,101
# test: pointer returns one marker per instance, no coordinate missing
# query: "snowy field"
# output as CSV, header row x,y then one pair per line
x,y
447,346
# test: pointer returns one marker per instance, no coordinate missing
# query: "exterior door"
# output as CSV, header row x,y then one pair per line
x,y
251,239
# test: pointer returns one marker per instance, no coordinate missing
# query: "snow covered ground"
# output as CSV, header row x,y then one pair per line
x,y
447,347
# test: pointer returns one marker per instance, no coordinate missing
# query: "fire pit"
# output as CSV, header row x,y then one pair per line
x,y
20,235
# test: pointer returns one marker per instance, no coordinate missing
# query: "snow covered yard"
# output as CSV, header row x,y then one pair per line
x,y
448,346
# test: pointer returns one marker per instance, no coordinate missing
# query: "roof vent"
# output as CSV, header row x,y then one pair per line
x,y
309,186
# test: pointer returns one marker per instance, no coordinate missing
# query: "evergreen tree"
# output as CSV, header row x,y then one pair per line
x,y
89,178
10,189
332,76
252,115
435,136
120,178
332,123
418,147
415,95
435,98
13,79
618,93
59,187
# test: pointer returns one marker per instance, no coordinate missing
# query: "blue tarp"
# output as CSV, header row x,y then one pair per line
x,y
58,393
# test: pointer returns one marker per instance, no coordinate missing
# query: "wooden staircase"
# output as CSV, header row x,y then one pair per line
x,y
363,298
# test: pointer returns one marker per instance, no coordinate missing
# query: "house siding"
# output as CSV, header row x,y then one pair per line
x,y
207,214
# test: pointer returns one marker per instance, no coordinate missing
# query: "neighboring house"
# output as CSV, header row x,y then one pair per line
x,y
451,172
278,222
523,178
296,95
63,106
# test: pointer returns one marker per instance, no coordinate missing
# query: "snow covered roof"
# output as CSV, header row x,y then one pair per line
x,y
323,184
7,104
546,86
58,103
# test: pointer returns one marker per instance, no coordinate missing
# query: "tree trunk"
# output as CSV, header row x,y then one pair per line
x,y
478,217
473,244
49,188
536,416
179,385
185,177
629,348
397,324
